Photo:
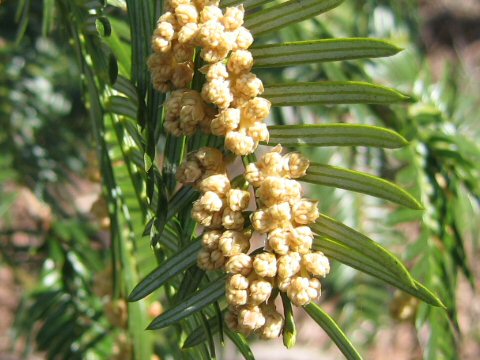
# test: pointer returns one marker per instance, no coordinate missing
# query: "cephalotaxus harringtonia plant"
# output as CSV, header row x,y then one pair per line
x,y
259,238
202,58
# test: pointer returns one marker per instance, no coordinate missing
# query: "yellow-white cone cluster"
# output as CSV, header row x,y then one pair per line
x,y
230,85
220,208
284,215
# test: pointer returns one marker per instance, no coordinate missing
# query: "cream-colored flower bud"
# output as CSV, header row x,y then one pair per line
x,y
218,92
248,84
314,289
172,127
237,199
188,172
265,264
211,159
241,61
253,175
258,132
210,34
238,282
176,3
233,243
174,104
182,75
273,190
219,184
211,201
244,38
216,70
210,260
316,263
273,324
188,34
233,18
164,30
216,220
260,291
288,265
200,215
271,162
226,120
215,54
210,239
168,17
300,239
203,3
295,165
278,241
186,13
160,44
236,297
183,53
251,318
210,13
239,264
298,291
305,211
233,220
257,109
283,283
281,214
239,143
262,222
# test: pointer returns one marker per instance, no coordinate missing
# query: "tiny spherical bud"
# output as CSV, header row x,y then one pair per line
x,y
300,239
210,201
226,120
316,263
219,53
240,143
305,211
278,241
219,184
239,264
168,17
271,162
183,53
210,13
260,291
210,239
273,190
210,158
203,3
251,318
200,215
258,131
238,282
265,264
236,297
262,222
253,175
295,165
164,30
288,265
273,324
210,260
241,61
188,172
248,84
256,109
281,214
182,75
283,283
186,13
210,34
218,93
233,18
216,70
297,291
314,289
176,3
232,219
233,243
188,34
238,199
244,38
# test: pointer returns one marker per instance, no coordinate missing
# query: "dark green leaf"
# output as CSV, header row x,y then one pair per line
x,y
241,343
360,182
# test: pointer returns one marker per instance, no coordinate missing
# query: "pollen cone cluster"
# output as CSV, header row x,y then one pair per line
x,y
238,112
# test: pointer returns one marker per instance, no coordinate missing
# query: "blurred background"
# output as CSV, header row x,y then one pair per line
x,y
54,224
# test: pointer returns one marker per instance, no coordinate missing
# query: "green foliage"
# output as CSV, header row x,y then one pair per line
x,y
153,238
